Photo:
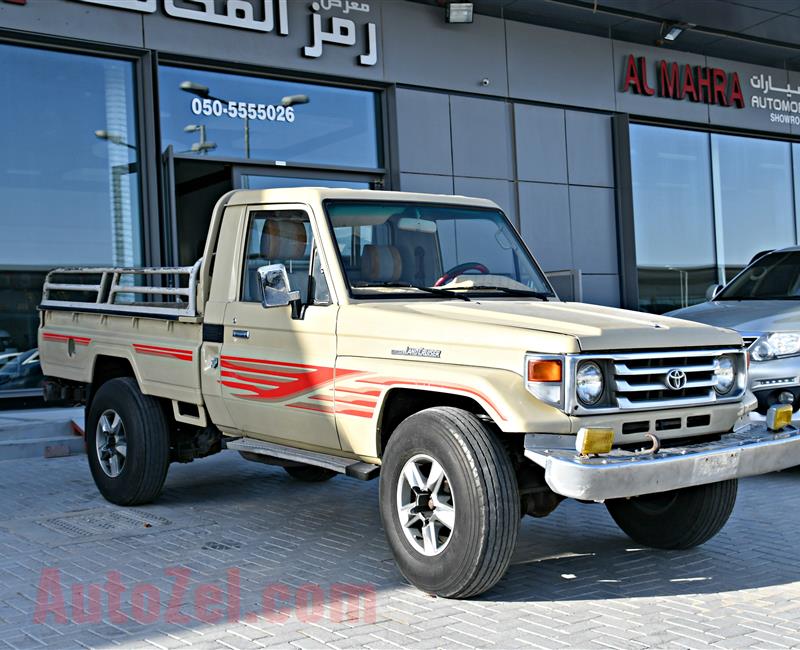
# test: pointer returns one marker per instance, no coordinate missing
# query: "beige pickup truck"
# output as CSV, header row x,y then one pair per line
x,y
412,336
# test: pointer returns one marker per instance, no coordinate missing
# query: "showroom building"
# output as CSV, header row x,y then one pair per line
x,y
638,174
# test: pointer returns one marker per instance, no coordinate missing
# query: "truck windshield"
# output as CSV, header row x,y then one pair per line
x,y
772,277
430,250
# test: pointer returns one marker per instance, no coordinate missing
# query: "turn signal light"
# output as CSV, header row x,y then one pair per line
x,y
544,370
779,416
594,441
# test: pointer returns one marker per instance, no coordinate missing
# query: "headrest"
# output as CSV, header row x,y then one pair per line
x,y
283,239
381,263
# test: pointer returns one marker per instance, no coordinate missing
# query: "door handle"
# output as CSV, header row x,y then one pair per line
x,y
241,334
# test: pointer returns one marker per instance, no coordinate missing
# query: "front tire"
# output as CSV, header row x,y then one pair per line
x,y
127,442
678,519
449,503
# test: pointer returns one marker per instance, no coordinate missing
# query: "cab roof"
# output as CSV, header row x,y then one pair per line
x,y
308,194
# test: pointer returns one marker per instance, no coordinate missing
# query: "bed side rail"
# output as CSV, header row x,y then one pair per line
x,y
160,287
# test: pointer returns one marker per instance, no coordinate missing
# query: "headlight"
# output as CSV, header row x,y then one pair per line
x,y
589,383
725,373
777,344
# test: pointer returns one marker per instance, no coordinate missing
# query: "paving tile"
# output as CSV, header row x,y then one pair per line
x,y
249,540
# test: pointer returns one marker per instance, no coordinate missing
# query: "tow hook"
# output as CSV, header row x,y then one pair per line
x,y
656,446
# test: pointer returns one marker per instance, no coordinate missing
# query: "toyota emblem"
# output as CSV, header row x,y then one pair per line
x,y
676,379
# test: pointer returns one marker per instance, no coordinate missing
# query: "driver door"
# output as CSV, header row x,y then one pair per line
x,y
276,370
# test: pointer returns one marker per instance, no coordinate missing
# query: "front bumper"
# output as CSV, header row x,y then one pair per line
x,y
748,451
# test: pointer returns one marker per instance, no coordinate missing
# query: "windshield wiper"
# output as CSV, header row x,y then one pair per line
x,y
447,293
528,293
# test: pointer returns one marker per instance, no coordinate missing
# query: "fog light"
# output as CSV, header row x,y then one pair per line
x,y
779,416
786,397
594,441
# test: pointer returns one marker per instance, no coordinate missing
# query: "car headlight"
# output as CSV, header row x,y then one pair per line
x,y
774,345
589,383
725,374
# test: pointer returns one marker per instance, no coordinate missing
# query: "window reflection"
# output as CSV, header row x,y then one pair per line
x,y
753,198
673,213
704,205
69,179
236,116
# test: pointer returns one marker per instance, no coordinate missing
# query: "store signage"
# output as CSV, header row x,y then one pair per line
x,y
271,15
786,100
683,81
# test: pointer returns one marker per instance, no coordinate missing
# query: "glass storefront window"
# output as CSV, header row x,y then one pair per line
x,y
69,180
241,117
704,205
753,198
673,212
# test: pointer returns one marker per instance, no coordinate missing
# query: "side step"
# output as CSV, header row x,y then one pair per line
x,y
348,466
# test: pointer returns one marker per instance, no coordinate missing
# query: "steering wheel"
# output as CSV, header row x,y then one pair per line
x,y
459,269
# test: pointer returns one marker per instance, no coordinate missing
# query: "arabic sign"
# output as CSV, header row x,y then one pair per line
x,y
342,31
784,102
269,16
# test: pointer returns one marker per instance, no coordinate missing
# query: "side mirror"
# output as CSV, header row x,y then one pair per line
x,y
713,291
275,290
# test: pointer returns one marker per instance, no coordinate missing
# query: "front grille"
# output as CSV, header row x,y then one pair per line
x,y
640,380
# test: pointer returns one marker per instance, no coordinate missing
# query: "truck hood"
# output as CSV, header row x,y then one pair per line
x,y
593,327
747,316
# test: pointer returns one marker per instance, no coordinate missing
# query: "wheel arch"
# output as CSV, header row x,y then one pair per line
x,y
402,402
106,367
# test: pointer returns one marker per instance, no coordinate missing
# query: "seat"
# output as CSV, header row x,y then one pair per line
x,y
381,263
283,241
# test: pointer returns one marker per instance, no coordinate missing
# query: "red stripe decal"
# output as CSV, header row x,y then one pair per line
x,y
369,403
256,380
360,414
158,351
319,408
360,391
455,387
79,340
304,379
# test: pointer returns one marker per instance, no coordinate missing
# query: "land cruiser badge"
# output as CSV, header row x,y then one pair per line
x,y
426,353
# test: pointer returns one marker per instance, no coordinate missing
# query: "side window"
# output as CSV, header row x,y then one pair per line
x,y
280,237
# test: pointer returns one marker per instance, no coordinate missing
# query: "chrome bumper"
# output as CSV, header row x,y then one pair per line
x,y
748,451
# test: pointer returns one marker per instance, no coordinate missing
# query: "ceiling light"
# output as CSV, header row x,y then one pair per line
x,y
458,12
673,30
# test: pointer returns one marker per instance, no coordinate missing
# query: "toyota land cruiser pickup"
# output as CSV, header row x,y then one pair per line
x,y
413,336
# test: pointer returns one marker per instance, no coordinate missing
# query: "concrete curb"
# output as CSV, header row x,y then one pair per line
x,y
41,434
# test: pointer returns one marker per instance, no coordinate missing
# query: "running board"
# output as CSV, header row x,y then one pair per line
x,y
348,466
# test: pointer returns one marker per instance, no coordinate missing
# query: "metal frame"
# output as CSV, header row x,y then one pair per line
x,y
110,286
626,228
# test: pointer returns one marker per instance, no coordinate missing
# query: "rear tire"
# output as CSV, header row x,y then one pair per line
x,y
449,503
127,442
678,519
310,473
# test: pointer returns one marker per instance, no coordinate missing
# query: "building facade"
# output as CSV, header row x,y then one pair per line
x,y
638,175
